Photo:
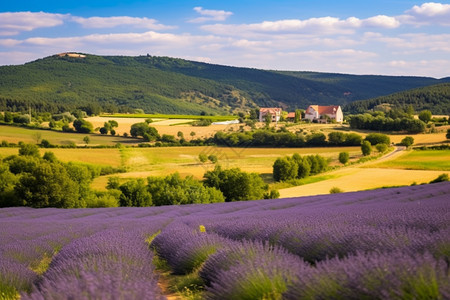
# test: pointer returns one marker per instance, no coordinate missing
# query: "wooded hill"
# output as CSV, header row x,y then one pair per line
x,y
435,98
169,85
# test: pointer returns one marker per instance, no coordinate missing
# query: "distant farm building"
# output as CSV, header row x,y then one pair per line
x,y
275,112
318,113
77,55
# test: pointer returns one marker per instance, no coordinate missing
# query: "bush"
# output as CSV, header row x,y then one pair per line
x,y
336,190
83,126
235,184
407,141
381,147
366,148
29,150
202,157
440,178
378,138
135,193
344,157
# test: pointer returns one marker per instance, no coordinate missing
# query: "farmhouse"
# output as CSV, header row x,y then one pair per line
x,y
275,112
70,54
317,112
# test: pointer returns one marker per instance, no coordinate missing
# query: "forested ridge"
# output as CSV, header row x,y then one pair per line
x,y
435,98
169,85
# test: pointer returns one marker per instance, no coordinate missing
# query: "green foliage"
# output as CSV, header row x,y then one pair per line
x,y
407,141
135,193
335,190
297,167
378,138
174,190
435,98
448,134
381,147
143,130
83,126
390,123
202,157
366,148
213,158
425,116
440,178
344,157
235,184
29,150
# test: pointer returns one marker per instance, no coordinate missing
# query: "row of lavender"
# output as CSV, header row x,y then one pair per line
x,y
389,243
76,254
385,244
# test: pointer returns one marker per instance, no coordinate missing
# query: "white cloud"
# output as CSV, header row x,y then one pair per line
x,y
111,22
428,14
316,26
210,15
12,23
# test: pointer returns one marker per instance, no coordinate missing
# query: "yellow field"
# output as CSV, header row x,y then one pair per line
x,y
356,179
165,126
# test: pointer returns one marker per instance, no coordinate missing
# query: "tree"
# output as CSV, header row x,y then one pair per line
x,y
344,157
298,115
103,130
378,138
83,126
213,158
86,139
407,141
202,157
425,116
366,148
142,129
47,185
284,169
29,150
268,119
135,193
174,190
336,138
381,147
235,184
180,134
448,134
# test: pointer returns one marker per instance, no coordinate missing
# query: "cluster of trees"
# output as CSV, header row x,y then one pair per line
x,y
380,122
284,138
28,179
297,167
237,185
218,186
434,98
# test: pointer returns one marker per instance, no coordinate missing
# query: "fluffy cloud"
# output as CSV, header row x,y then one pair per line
x,y
110,22
427,14
318,26
12,23
210,15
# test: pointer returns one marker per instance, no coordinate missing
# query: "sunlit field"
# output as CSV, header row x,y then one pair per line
x,y
419,160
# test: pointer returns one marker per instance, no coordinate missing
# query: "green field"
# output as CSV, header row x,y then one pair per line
x,y
420,160
13,134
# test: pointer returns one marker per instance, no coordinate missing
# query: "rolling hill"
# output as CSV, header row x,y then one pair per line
x,y
169,85
435,98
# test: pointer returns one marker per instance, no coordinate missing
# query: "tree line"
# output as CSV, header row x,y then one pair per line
x,y
27,179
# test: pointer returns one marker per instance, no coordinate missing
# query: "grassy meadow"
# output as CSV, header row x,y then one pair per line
x,y
419,160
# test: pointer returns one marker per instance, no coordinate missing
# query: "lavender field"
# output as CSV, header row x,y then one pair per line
x,y
380,244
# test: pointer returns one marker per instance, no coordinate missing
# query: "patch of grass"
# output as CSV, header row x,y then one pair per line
x,y
303,181
438,160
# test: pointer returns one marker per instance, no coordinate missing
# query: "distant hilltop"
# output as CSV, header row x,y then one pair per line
x,y
71,54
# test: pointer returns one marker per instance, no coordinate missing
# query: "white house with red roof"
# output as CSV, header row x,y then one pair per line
x,y
275,112
316,112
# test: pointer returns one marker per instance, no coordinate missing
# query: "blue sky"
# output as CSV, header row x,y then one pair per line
x,y
409,38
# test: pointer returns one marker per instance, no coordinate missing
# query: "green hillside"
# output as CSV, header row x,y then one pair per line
x,y
168,85
435,98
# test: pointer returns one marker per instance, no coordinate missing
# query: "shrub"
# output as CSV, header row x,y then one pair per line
x,y
344,157
407,141
381,147
366,148
29,150
202,157
440,178
336,190
83,126
378,138
135,193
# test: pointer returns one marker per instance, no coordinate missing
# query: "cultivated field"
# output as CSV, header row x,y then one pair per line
x,y
362,245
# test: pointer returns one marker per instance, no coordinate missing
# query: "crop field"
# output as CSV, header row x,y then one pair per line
x,y
420,160
13,134
386,243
